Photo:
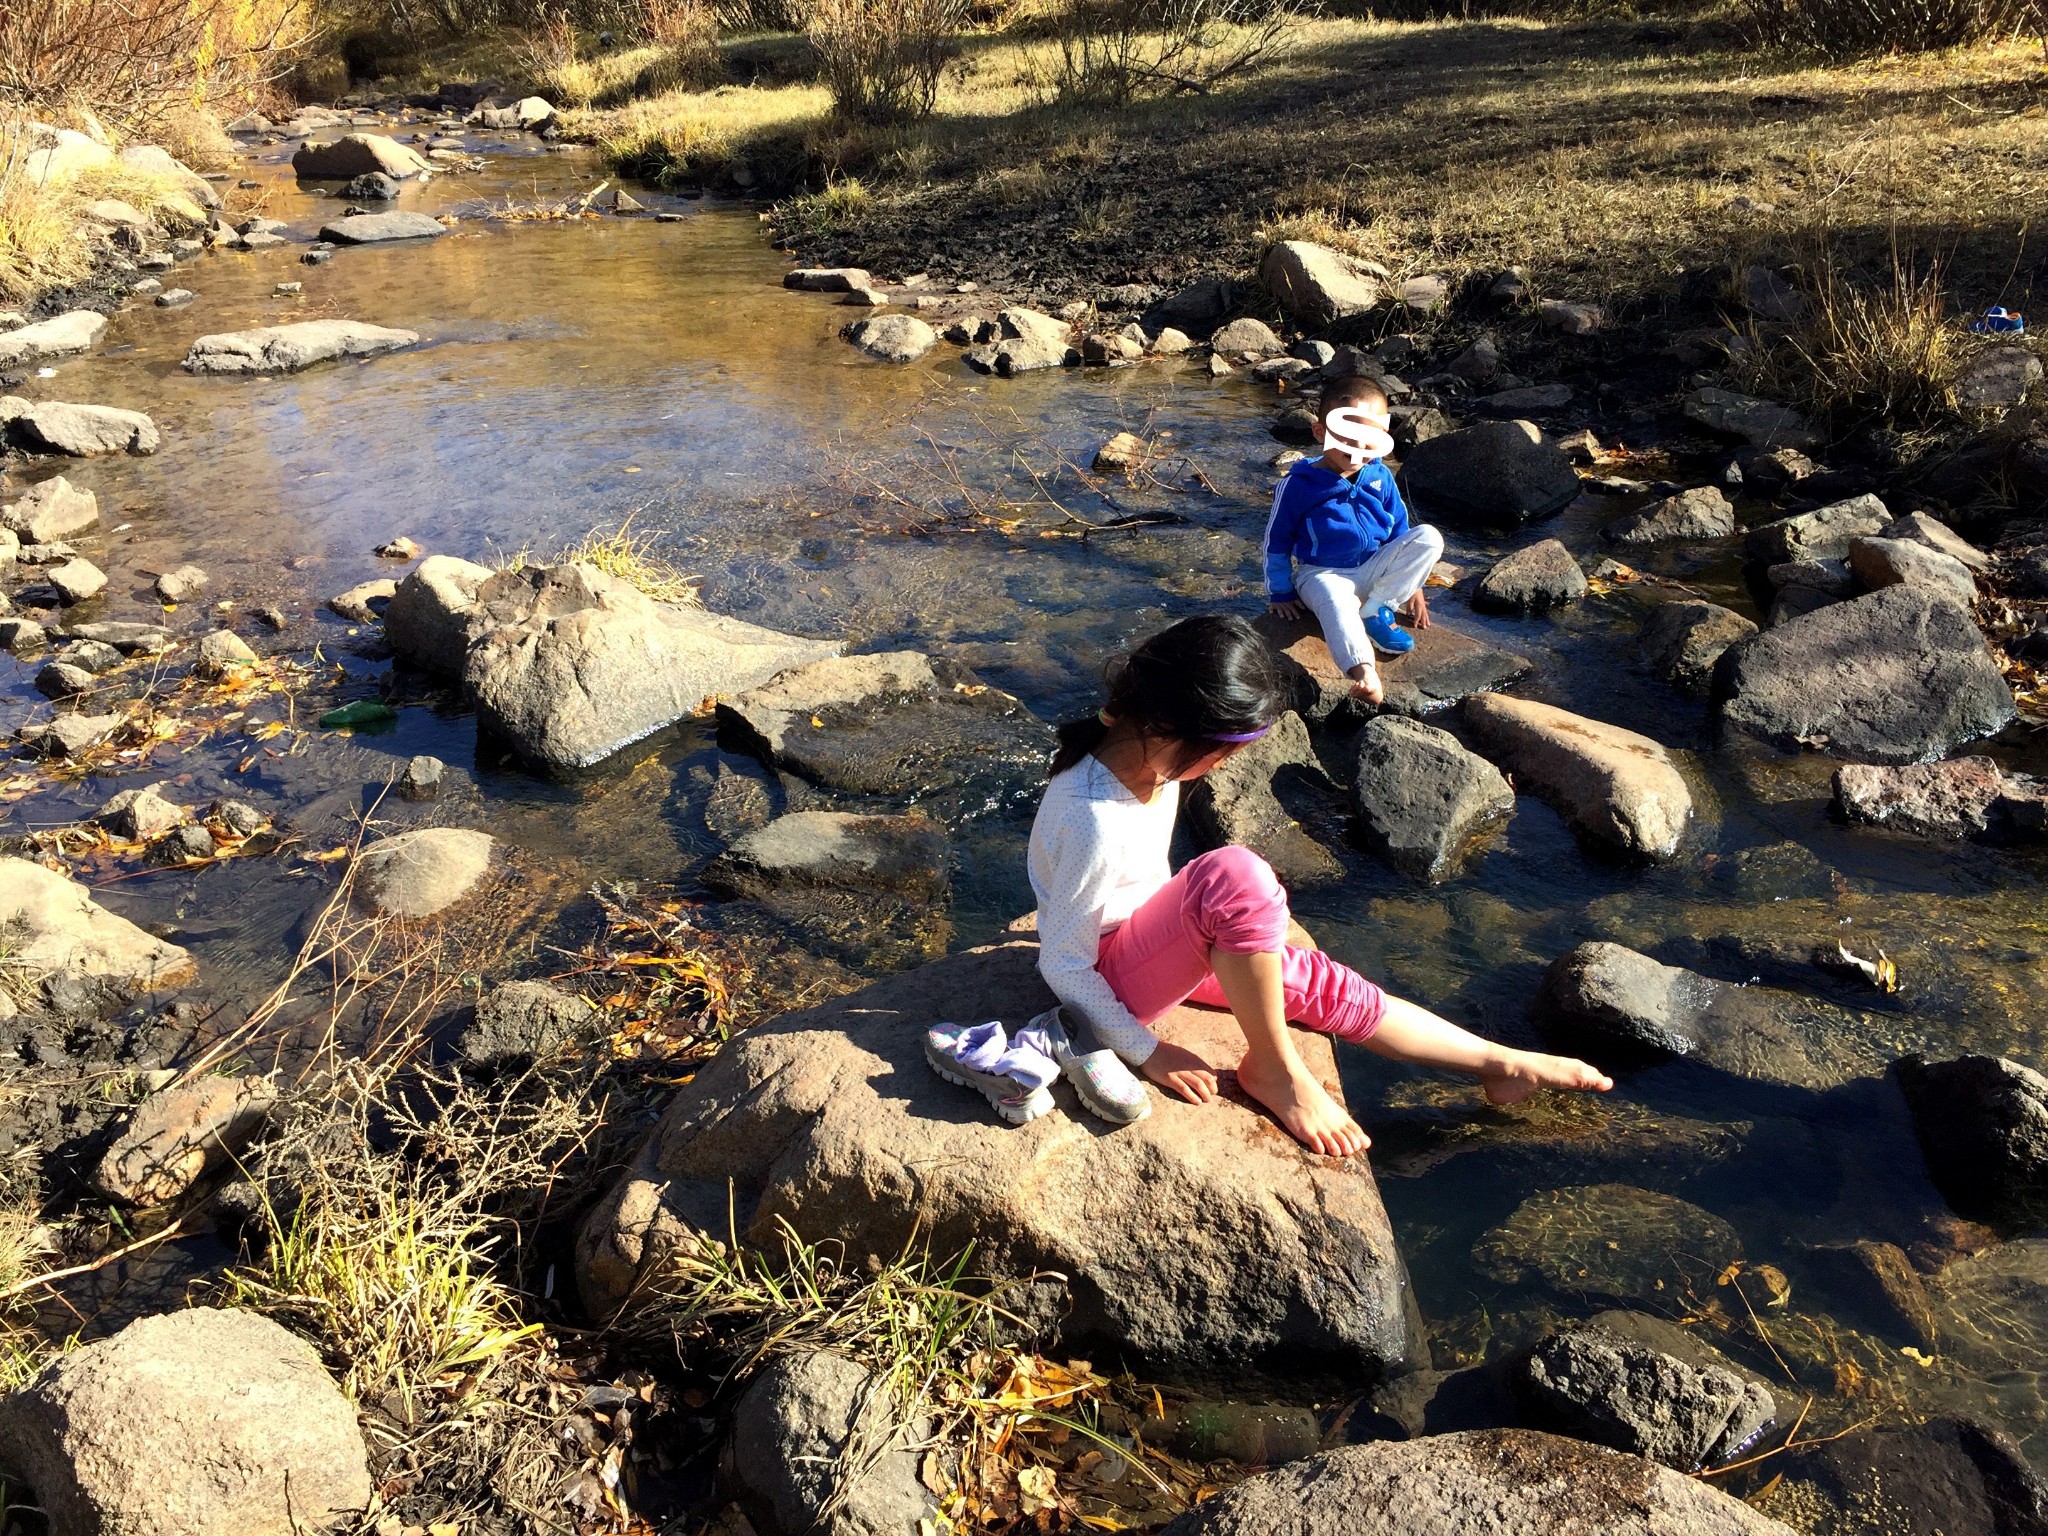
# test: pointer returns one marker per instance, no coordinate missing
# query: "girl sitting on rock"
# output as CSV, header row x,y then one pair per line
x,y
1123,939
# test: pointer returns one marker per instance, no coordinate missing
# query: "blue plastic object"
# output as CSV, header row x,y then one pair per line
x,y
2000,321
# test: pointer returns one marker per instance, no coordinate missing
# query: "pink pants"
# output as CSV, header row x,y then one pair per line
x,y
1229,900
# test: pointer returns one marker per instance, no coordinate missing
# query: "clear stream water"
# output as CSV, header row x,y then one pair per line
x,y
574,373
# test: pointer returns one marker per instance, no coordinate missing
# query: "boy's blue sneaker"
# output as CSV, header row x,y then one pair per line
x,y
1386,635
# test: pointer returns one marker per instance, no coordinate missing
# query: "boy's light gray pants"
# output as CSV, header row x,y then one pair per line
x,y
1341,598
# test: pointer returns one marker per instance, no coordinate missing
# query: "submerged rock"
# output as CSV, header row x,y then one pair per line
x,y
525,1021
288,348
1609,1240
376,228
1245,800
421,873
575,664
176,1136
1533,580
1200,1241
1614,786
1948,799
1423,801
1598,1386
1947,1475
1498,474
199,1422
1983,1123
1683,641
56,926
1495,1482
1895,677
79,431
834,849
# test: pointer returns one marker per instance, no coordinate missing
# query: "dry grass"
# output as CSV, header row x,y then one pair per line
x,y
39,243
632,559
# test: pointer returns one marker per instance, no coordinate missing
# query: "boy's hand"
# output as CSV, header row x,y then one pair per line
x,y
1291,609
1416,611
1180,1069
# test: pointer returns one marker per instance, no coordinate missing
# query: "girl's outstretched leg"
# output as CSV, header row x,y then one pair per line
x,y
1272,1070
1410,1033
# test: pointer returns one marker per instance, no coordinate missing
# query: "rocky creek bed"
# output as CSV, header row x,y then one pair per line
x,y
1722,766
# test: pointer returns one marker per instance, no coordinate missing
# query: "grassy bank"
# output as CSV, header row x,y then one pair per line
x,y
1603,155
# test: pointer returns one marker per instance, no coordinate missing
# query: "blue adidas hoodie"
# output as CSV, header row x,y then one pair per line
x,y
1323,518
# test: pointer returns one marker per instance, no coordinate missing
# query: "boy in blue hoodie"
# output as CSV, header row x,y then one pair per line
x,y
1339,541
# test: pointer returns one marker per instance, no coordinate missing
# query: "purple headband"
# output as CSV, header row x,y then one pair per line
x,y
1241,737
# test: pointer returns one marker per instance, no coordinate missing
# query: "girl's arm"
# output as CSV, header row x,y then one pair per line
x,y
1070,934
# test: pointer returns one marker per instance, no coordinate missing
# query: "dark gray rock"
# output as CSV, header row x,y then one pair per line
x,y
1245,800
1946,1477
1701,513
1502,1482
1682,641
1824,532
1532,580
809,850
1829,576
1497,474
423,778
1598,1386
526,1021
820,1447
371,186
1895,677
1876,1282
1423,801
1444,667
1983,1123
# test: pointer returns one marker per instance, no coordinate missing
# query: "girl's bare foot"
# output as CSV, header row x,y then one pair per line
x,y
1177,1068
1304,1107
1521,1073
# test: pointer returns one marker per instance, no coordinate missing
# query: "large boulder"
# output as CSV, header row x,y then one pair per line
x,y
575,664
1700,513
1822,534
433,617
80,431
834,850
818,1449
1423,801
179,1134
1494,1482
1682,641
193,1423
59,155
1983,1123
54,925
63,335
51,510
1899,676
894,722
1614,786
1533,580
288,348
1200,1242
1599,1386
1444,667
1245,800
1620,1007
1497,474
377,228
1316,285
421,873
356,154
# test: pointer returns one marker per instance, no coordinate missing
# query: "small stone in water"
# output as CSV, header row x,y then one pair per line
x,y
182,584
288,288
400,548
274,617
423,778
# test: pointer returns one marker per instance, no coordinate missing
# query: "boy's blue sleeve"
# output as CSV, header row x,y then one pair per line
x,y
1280,531
1397,509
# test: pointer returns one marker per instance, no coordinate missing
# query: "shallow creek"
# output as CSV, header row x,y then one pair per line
x,y
577,372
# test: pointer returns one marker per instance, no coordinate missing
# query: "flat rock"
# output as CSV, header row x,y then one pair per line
x,y
1612,785
198,1422
356,154
1494,1482
376,228
574,664
1955,798
896,722
1444,667
80,431
1532,580
1622,1008
526,1021
51,509
1923,528
69,734
1599,1386
63,335
1496,474
176,1136
834,850
1983,1123
288,348
893,338
1608,1240
1682,642
128,638
1893,562
362,603
1762,423
1899,676
1526,400
1824,533
1245,800
1315,285
1200,1242
828,279
1424,801
1700,513
421,873
56,926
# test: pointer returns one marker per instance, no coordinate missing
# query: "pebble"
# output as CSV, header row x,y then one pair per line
x,y
423,778
182,584
288,288
175,298
147,288
400,548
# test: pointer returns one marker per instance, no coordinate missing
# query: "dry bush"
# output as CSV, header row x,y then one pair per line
x,y
759,15
1846,28
883,58
1115,51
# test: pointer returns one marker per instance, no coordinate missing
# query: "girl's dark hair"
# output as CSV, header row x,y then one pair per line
x,y
1208,676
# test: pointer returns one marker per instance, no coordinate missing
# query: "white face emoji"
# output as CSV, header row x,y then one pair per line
x,y
1357,432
